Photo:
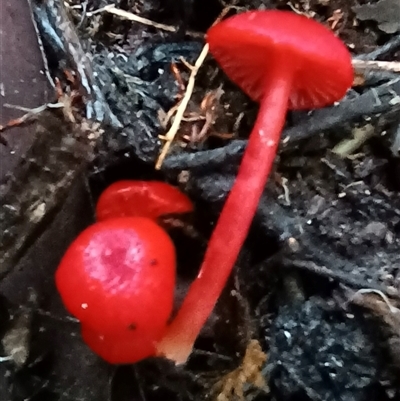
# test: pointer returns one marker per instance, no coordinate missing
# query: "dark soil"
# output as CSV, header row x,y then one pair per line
x,y
316,287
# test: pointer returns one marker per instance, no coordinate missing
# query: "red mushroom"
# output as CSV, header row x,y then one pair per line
x,y
118,279
120,347
151,199
282,60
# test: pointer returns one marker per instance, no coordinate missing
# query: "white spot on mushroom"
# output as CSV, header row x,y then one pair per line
x,y
264,138
84,306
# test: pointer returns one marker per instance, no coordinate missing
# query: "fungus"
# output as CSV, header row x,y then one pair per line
x,y
118,279
284,61
151,199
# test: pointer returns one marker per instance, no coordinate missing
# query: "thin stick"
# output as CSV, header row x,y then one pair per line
x,y
392,308
31,114
111,9
392,66
170,135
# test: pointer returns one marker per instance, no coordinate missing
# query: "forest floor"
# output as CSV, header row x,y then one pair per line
x,y
312,311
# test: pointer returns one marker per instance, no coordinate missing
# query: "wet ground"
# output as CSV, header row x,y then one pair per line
x,y
311,310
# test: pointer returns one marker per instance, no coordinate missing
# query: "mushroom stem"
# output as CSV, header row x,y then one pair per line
x,y
235,219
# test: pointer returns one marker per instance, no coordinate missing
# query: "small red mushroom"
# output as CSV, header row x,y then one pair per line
x,y
282,60
152,199
118,279
122,346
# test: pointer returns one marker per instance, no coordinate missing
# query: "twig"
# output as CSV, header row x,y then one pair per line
x,y
206,160
389,47
385,299
330,272
30,116
167,118
349,145
374,101
363,65
381,99
170,135
111,9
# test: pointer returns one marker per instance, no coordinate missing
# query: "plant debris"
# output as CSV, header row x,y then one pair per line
x,y
311,312
384,12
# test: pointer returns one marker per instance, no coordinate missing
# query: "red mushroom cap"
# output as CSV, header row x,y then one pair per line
x,y
121,347
119,275
245,46
150,199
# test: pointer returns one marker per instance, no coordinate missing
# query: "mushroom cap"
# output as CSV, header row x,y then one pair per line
x,y
151,199
119,275
121,347
245,46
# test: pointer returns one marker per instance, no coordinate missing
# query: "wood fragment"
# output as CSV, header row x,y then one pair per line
x,y
363,65
31,197
350,145
57,33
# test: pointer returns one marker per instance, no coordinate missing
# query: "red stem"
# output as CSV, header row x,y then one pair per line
x,y
235,219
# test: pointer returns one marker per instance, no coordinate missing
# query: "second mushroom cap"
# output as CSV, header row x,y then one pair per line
x,y
248,45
